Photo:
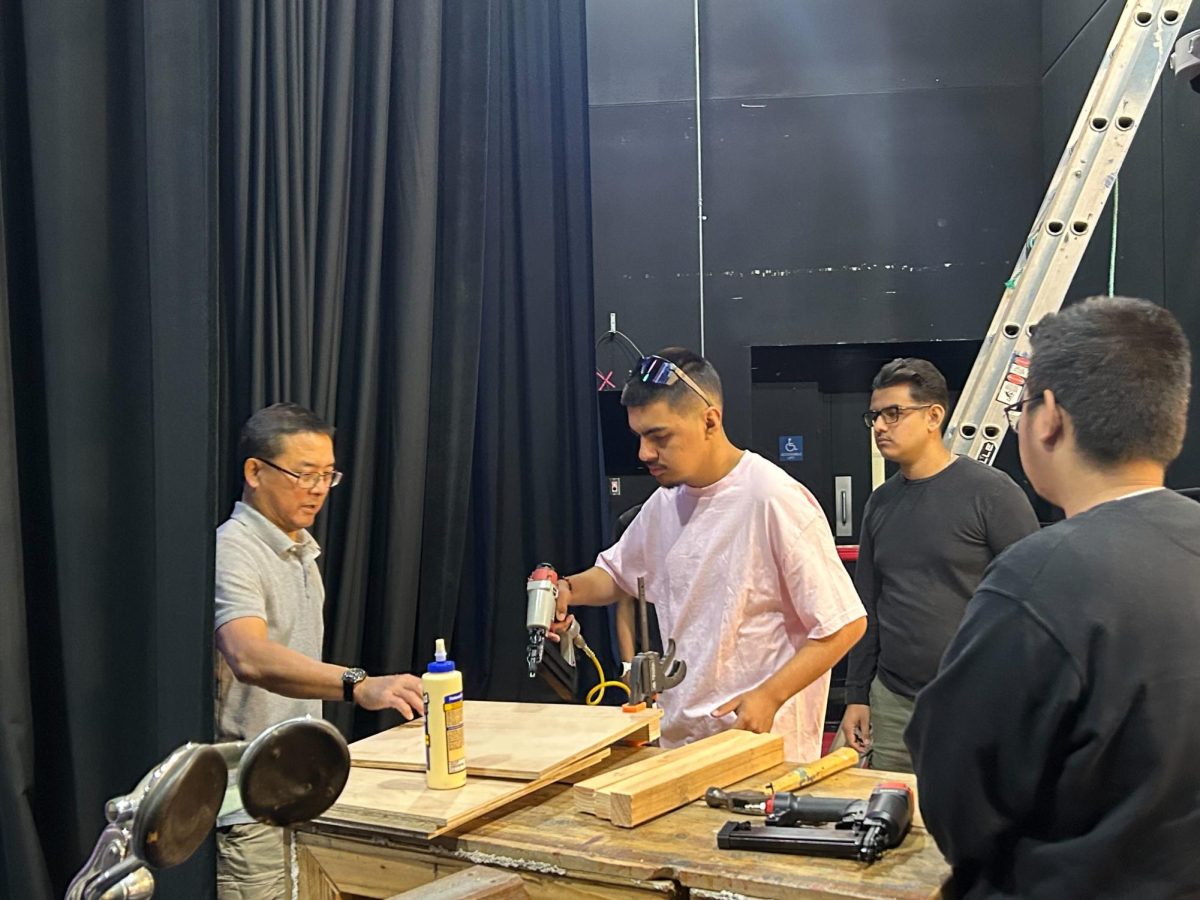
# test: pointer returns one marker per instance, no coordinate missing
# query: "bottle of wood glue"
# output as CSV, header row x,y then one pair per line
x,y
445,751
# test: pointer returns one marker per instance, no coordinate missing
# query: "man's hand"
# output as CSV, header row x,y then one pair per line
x,y
557,628
399,692
856,727
595,587
755,710
564,599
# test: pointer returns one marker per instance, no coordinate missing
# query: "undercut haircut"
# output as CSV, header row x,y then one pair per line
x,y
925,382
262,435
1122,369
678,395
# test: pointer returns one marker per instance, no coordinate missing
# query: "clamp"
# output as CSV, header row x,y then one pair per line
x,y
649,672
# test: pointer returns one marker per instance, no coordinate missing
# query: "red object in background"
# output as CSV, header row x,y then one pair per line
x,y
848,552
827,742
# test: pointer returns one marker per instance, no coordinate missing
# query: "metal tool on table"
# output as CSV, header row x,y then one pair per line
x,y
290,773
861,829
755,801
649,672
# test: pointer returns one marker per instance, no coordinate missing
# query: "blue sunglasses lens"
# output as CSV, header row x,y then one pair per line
x,y
657,370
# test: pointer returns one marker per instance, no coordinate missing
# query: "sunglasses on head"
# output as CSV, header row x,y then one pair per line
x,y
658,370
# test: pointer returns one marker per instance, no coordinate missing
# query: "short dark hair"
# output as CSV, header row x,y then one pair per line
x,y
925,382
641,393
263,432
1122,368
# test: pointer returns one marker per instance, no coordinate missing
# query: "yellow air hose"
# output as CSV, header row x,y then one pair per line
x,y
596,694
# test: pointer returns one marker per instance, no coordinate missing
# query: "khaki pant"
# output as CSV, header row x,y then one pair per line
x,y
251,864
890,713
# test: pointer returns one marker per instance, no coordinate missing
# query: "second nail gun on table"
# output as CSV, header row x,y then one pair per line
x,y
862,829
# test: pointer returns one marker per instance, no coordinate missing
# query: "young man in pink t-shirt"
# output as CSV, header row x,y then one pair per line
x,y
739,563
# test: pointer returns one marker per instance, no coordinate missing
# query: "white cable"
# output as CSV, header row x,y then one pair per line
x,y
699,168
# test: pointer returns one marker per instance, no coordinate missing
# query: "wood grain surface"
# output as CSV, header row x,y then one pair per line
x,y
543,832
513,740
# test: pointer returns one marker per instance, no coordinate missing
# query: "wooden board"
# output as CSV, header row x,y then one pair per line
x,y
475,883
676,783
337,868
513,740
585,791
618,756
400,803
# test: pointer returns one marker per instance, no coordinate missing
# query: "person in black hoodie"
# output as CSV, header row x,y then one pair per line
x,y
1056,749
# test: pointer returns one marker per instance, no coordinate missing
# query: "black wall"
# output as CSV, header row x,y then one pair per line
x,y
870,171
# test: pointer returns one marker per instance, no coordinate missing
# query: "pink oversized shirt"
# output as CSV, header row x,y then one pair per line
x,y
741,573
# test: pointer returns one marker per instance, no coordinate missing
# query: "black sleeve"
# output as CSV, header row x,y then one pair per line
x,y
1007,516
861,663
983,733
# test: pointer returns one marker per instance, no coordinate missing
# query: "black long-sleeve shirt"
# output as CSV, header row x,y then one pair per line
x,y
924,545
1057,749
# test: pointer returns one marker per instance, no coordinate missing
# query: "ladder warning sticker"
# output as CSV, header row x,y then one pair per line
x,y
1014,380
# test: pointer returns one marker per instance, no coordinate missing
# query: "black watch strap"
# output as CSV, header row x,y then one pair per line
x,y
350,678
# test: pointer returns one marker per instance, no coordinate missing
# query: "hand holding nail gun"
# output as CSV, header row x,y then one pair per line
x,y
547,618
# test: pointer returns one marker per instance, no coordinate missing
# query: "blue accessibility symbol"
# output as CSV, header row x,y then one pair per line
x,y
791,448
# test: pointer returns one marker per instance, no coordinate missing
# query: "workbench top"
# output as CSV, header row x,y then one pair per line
x,y
543,832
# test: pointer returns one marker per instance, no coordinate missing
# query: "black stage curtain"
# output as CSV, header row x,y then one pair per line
x,y
107,416
405,240
402,205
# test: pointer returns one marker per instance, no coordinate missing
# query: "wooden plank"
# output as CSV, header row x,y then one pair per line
x,y
475,883
619,755
513,740
401,803
349,868
692,755
585,792
362,867
643,797
313,882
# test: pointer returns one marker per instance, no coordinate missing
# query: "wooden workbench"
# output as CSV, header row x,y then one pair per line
x,y
561,852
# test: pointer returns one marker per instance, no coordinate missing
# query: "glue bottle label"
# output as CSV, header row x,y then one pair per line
x,y
456,756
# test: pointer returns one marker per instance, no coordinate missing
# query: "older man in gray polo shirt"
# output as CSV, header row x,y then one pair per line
x,y
270,621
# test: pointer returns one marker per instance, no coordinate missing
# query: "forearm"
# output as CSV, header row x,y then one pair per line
x,y
594,587
626,629
282,670
811,661
862,665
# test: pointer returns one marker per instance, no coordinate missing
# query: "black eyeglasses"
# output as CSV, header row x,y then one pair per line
x,y
306,480
657,370
890,414
1013,411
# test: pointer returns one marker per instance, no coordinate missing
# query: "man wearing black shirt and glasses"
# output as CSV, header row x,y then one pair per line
x,y
928,534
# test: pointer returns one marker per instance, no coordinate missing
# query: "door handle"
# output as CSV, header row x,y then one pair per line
x,y
843,486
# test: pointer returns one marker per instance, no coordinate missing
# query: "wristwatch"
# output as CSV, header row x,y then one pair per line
x,y
350,678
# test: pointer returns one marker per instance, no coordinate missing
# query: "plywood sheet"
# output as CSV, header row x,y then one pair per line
x,y
400,802
513,740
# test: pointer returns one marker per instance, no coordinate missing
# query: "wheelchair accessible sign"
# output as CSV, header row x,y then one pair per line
x,y
791,448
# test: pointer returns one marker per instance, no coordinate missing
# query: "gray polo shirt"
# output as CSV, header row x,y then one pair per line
x,y
261,572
